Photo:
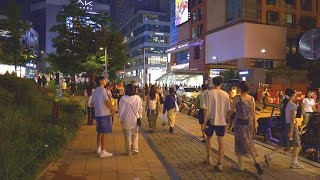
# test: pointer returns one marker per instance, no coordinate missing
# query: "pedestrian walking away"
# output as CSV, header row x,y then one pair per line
x,y
130,110
73,87
153,107
199,105
88,96
245,126
217,106
44,81
289,137
170,107
103,113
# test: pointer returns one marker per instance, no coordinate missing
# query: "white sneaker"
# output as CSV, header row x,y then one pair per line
x,y
98,150
135,151
105,153
296,166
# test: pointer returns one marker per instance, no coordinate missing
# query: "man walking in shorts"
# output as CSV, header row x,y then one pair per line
x,y
103,112
216,105
199,106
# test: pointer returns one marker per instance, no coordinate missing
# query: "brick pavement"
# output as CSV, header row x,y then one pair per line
x,y
79,161
279,168
184,155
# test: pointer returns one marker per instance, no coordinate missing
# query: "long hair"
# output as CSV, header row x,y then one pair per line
x,y
152,93
289,92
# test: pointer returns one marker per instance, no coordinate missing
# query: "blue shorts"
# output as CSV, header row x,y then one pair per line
x,y
220,130
104,124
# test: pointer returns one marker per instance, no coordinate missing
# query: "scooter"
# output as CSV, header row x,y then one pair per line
x,y
269,127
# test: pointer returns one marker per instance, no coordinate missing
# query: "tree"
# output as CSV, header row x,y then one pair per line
x,y
78,43
13,52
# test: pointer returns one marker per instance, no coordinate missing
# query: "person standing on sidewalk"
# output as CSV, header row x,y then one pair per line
x,y
307,108
169,106
103,113
289,136
130,109
88,95
216,105
153,107
199,106
245,126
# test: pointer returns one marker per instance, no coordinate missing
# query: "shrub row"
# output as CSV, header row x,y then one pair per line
x,y
29,139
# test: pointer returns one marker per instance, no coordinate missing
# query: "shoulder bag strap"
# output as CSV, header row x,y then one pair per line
x,y
133,111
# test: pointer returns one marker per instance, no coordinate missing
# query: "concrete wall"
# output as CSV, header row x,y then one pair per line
x,y
246,40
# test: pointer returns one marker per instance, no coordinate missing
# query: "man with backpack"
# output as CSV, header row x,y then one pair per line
x,y
199,106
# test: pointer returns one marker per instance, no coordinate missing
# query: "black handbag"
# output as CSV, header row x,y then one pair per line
x,y
139,122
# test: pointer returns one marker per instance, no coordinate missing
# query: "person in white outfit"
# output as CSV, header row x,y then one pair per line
x,y
130,109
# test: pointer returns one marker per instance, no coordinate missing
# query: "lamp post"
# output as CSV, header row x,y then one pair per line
x,y
106,61
216,58
264,51
144,70
125,73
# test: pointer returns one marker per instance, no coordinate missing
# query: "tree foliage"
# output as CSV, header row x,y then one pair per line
x,y
12,50
78,43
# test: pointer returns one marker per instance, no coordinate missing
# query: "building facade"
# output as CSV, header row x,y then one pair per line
x,y
44,14
147,34
254,35
123,10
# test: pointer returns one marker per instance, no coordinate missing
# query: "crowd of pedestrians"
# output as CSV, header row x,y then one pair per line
x,y
215,107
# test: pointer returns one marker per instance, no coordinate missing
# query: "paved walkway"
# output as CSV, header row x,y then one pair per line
x,y
279,168
183,156
79,161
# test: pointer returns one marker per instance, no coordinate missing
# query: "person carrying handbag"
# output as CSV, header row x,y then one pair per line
x,y
170,106
130,114
153,107
245,126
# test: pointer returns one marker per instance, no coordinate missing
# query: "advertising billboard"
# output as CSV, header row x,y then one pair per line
x,y
182,11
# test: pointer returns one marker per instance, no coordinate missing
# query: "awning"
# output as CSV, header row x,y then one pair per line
x,y
181,75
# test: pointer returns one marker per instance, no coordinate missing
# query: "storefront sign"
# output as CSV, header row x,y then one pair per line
x,y
181,67
85,3
243,72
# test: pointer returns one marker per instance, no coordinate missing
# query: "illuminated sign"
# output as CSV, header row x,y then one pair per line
x,y
85,4
180,67
243,72
181,11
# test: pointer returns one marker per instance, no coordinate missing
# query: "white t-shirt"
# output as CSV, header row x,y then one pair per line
x,y
217,103
308,104
291,106
99,98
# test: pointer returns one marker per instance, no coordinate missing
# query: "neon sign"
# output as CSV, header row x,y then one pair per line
x,y
85,4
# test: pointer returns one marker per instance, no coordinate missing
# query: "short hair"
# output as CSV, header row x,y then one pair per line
x,y
98,79
244,86
204,87
130,90
217,81
171,90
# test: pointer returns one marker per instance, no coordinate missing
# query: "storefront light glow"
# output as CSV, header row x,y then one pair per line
x,y
243,72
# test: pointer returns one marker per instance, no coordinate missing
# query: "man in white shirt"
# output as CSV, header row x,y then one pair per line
x,y
307,104
103,112
216,107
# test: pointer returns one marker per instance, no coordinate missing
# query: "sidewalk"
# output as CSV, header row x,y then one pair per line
x,y
79,160
279,168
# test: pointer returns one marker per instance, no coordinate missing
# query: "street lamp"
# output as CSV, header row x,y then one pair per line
x,y
264,52
144,69
124,73
105,59
216,58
